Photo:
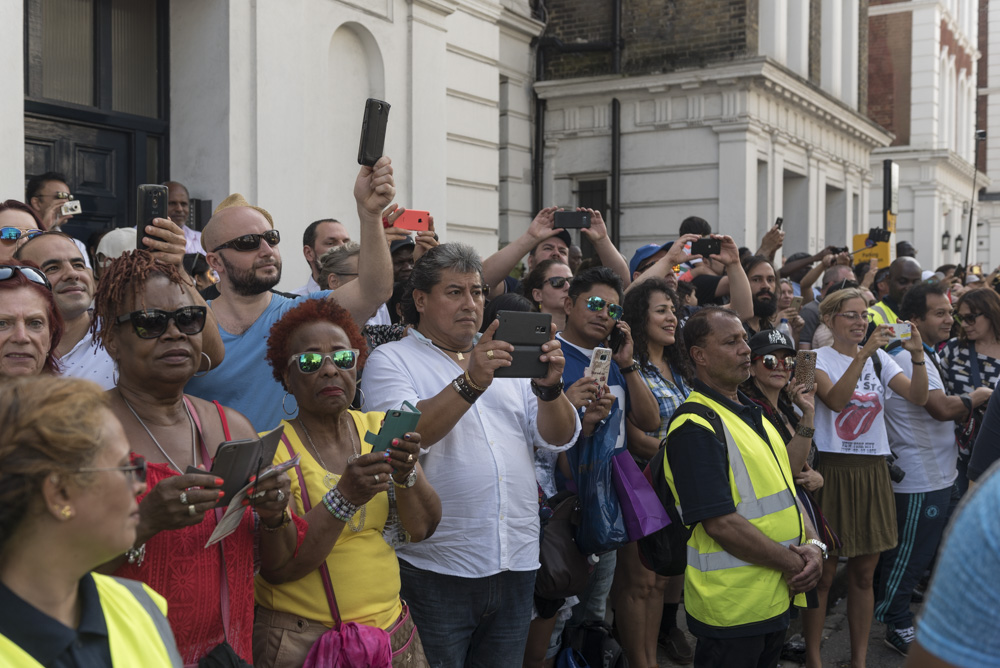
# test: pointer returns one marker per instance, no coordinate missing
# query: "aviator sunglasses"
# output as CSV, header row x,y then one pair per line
x,y
250,242
34,275
772,362
597,305
152,323
557,282
15,233
312,362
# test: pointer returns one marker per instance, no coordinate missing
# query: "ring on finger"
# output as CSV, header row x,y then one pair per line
x,y
490,355
280,496
409,458
192,511
376,477
184,498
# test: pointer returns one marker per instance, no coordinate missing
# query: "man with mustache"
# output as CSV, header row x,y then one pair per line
x,y
73,289
763,283
242,247
752,549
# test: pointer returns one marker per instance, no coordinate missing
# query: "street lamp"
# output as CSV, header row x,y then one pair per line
x,y
945,240
958,243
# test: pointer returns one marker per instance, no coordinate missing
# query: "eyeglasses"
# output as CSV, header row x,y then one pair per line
x,y
969,318
152,323
854,316
557,282
134,472
34,275
250,242
772,362
312,362
57,195
597,305
15,233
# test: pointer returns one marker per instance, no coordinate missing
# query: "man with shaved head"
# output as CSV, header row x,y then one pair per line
x,y
904,273
242,246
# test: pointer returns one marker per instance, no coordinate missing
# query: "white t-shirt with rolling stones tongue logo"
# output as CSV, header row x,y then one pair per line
x,y
859,429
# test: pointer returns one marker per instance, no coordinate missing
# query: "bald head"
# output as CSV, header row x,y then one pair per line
x,y
904,273
232,222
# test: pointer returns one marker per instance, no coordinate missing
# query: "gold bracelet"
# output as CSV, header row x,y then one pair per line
x,y
472,384
285,519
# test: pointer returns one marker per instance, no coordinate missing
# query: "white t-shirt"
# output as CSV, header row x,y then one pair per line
x,y
859,429
926,447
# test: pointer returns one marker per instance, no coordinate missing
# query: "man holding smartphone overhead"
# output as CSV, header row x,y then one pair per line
x,y
242,247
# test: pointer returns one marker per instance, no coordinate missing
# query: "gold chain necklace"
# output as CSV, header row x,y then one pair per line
x,y
330,479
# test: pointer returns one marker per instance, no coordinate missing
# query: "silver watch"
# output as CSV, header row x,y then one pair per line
x,y
411,479
818,543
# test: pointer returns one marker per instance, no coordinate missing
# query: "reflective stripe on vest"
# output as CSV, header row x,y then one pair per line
x,y
719,561
882,314
138,632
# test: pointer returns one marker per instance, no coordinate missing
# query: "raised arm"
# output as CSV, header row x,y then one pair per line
x,y
373,191
610,256
740,295
497,266
665,265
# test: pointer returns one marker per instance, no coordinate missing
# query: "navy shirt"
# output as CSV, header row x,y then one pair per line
x,y
50,642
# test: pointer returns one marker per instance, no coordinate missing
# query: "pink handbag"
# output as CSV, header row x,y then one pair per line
x,y
346,645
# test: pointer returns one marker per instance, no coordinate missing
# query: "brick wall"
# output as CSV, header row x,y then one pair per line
x,y
659,35
889,51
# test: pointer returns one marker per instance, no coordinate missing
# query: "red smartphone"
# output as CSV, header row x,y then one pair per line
x,y
412,219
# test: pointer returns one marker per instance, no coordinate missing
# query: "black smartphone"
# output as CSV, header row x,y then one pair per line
x,y
616,339
571,220
778,223
527,332
151,202
706,246
236,461
373,132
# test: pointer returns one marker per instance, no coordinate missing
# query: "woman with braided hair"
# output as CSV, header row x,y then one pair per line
x,y
153,324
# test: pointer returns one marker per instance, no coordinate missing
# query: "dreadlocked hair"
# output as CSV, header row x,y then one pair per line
x,y
122,279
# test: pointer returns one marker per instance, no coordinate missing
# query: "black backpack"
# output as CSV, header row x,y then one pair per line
x,y
596,644
665,551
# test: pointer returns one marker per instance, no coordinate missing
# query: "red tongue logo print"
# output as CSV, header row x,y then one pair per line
x,y
858,416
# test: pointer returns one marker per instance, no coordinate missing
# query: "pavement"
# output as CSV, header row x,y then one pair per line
x,y
836,648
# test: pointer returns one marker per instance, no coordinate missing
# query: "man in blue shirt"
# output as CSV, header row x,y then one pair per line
x,y
242,248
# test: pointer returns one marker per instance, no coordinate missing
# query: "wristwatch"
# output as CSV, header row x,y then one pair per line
x,y
818,543
409,481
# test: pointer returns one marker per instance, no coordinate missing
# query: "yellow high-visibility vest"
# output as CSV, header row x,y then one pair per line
x,y
138,632
719,589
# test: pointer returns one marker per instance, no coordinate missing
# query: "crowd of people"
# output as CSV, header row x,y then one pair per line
x,y
798,427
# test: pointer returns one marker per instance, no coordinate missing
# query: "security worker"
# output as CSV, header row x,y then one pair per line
x,y
904,273
752,549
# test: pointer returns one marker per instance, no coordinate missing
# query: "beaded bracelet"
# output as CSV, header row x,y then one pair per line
x,y
338,505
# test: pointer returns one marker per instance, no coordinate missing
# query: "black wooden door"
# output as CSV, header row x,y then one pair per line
x,y
97,163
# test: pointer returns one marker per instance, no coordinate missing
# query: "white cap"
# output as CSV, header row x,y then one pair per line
x,y
116,242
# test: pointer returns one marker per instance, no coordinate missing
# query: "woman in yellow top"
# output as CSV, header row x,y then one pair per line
x,y
315,351
67,505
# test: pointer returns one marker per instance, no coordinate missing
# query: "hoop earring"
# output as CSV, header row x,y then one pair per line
x,y
356,404
199,374
287,412
114,374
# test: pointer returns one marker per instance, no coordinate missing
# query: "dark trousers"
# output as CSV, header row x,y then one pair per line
x,y
749,652
475,622
920,520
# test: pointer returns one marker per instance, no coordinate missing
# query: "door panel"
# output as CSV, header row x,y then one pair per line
x,y
97,163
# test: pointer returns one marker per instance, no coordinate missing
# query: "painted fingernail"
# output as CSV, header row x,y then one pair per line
x,y
221,494
246,502
250,492
252,478
407,436
386,454
219,481
395,441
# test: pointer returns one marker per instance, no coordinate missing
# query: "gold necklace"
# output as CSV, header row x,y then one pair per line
x,y
330,479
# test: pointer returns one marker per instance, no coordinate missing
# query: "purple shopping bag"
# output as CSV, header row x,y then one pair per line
x,y
641,508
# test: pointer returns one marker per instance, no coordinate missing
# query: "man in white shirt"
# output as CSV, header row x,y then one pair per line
x,y
319,237
470,585
179,211
923,440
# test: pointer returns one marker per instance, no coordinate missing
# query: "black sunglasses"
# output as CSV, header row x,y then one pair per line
x,y
135,472
250,242
15,233
34,275
969,317
557,282
152,323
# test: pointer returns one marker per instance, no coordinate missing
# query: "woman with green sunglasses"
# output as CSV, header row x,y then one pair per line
x,y
357,501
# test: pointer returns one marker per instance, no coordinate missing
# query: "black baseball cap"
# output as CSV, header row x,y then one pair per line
x,y
769,340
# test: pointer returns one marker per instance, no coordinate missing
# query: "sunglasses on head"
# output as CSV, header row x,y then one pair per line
x,y
15,233
557,282
772,362
152,323
312,362
250,242
597,305
34,275
134,472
